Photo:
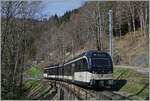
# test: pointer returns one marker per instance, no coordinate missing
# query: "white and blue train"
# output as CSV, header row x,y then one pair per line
x,y
92,69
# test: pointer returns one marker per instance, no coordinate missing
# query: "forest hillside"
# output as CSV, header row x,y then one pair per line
x,y
27,41
86,28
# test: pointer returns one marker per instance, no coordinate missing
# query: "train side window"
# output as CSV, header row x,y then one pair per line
x,y
69,69
85,65
73,68
49,71
65,69
77,66
73,65
79,62
60,70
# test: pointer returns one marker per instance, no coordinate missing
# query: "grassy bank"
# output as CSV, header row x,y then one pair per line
x,y
38,89
34,72
132,49
137,85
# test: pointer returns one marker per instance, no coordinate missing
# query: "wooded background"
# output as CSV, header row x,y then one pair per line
x,y
25,39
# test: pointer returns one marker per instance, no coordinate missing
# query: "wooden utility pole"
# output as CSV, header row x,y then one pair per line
x,y
110,34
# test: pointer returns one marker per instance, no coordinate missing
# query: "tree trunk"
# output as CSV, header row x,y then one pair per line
x,y
119,30
129,26
100,28
131,7
133,22
146,23
141,20
14,74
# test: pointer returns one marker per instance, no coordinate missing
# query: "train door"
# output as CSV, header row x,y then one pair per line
x,y
63,72
57,73
72,71
84,69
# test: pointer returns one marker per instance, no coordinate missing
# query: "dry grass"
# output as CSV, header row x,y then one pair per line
x,y
137,84
131,47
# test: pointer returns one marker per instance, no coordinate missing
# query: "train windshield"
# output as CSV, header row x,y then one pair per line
x,y
101,62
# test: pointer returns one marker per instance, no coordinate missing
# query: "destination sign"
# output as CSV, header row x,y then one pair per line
x,y
99,55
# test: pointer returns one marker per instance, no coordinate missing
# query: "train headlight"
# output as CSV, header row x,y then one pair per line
x,y
92,82
110,82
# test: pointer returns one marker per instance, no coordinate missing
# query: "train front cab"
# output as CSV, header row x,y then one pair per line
x,y
101,67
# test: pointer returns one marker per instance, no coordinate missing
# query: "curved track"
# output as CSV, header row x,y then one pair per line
x,y
84,93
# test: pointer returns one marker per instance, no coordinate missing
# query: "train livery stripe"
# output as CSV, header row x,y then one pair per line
x,y
82,76
59,76
87,76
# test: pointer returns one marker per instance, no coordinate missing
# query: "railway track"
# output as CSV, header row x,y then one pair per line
x,y
84,93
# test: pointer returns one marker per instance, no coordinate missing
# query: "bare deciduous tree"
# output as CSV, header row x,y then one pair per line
x,y
15,37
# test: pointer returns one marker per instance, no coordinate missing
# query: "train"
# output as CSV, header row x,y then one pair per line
x,y
91,69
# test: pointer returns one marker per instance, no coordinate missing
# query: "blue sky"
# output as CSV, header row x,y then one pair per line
x,y
59,7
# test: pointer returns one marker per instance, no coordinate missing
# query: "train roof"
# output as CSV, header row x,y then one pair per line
x,y
89,54
51,66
